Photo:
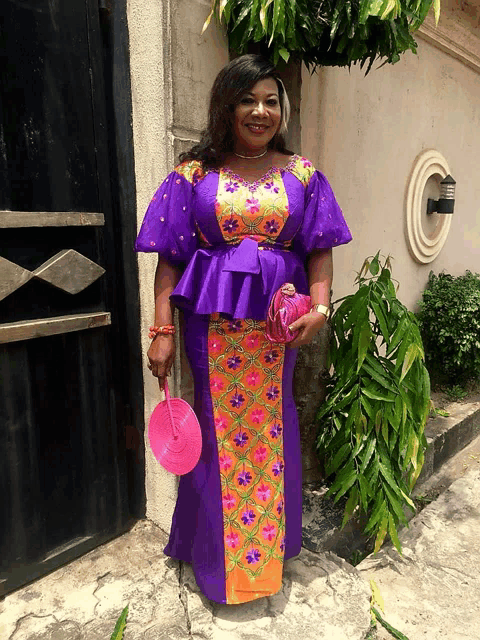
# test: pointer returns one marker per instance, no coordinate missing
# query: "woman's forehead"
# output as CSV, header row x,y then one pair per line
x,y
266,86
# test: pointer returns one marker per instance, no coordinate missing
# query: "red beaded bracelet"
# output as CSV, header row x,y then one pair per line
x,y
166,330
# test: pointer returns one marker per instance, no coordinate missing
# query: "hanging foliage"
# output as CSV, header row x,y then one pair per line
x,y
371,425
324,32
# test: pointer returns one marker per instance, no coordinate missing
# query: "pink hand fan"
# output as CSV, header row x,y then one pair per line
x,y
174,434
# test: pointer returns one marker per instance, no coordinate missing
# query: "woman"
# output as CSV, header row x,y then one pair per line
x,y
238,218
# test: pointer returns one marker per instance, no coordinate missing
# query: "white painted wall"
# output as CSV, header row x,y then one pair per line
x,y
172,71
365,133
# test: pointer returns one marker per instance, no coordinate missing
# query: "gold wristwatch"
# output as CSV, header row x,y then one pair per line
x,y
321,308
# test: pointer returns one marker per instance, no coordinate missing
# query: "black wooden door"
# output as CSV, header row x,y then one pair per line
x,y
71,463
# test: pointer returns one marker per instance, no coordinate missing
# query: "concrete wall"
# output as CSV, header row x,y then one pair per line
x,y
365,133
172,70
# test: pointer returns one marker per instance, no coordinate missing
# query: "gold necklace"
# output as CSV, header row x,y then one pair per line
x,y
250,157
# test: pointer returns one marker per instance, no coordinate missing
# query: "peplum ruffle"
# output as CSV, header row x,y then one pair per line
x,y
238,280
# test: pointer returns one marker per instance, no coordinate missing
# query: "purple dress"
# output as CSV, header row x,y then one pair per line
x,y
238,513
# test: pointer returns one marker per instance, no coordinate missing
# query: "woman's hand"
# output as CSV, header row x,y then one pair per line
x,y
309,325
161,356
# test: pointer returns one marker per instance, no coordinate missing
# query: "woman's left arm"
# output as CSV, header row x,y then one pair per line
x,y
320,274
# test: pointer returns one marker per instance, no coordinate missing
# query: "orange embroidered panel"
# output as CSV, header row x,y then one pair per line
x,y
245,372
258,210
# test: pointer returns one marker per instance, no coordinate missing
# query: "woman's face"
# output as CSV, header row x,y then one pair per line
x,y
257,117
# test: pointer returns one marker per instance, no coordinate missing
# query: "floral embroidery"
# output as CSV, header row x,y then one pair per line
x,y
220,421
271,226
248,517
229,501
260,454
253,378
232,539
269,532
257,416
253,556
234,362
275,431
191,170
217,383
235,325
244,478
263,492
231,186
272,393
282,544
242,213
241,439
277,468
245,411
225,462
252,205
237,400
230,225
303,170
271,356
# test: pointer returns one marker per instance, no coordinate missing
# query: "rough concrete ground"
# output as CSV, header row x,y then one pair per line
x,y
431,592
322,597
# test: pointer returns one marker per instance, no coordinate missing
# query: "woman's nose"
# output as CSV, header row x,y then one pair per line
x,y
260,108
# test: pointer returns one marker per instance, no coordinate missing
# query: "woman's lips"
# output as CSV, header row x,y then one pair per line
x,y
257,128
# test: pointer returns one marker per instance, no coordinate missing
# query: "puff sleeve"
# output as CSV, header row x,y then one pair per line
x,y
168,227
323,224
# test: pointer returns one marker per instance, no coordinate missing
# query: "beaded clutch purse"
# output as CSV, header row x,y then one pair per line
x,y
285,307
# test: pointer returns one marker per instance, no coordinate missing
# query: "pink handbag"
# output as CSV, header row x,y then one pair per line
x,y
285,307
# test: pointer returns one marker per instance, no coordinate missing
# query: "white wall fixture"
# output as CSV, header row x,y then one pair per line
x,y
426,233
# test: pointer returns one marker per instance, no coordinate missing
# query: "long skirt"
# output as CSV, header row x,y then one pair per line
x,y
238,514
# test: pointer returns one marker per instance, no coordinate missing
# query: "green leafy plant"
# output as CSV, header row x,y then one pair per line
x,y
455,393
371,426
450,326
120,625
377,599
324,32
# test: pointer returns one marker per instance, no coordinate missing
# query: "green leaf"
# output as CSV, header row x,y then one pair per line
x,y
285,54
363,344
411,355
392,531
365,490
373,395
339,457
368,454
382,532
120,625
374,266
350,507
380,315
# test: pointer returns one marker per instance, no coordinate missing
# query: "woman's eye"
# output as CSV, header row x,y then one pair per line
x,y
246,101
273,102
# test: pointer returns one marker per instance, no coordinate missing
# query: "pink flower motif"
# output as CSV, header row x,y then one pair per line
x,y
252,340
216,383
225,462
263,492
252,378
232,540
221,423
229,501
214,345
252,205
306,163
260,454
257,416
269,532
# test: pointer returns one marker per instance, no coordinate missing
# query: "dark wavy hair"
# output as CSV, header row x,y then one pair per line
x,y
237,77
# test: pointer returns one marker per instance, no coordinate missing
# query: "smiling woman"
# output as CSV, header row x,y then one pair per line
x,y
240,216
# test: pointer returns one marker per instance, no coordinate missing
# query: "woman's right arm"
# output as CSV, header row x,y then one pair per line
x,y
161,353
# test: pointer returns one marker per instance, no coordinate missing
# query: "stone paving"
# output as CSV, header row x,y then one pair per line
x,y
430,593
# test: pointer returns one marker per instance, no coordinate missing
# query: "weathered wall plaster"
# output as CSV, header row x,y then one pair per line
x,y
365,133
